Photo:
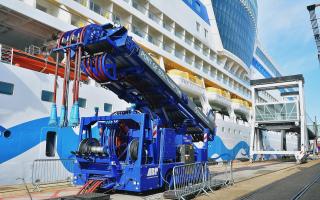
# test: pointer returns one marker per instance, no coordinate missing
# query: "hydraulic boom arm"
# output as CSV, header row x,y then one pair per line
x,y
113,59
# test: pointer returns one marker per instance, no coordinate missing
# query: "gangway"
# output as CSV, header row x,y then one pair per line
x,y
285,116
135,149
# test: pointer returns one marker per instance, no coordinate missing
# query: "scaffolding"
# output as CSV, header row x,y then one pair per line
x,y
285,116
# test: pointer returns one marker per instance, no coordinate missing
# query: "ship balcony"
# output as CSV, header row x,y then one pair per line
x,y
140,6
192,85
241,107
219,97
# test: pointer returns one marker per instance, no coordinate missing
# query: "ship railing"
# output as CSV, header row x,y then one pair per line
x,y
52,171
153,15
33,50
6,54
190,180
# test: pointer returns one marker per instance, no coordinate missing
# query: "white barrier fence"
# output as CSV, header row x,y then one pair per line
x,y
192,179
52,171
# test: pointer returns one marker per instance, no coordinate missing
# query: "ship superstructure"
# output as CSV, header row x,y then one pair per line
x,y
182,36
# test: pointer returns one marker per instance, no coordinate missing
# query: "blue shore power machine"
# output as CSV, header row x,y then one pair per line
x,y
133,150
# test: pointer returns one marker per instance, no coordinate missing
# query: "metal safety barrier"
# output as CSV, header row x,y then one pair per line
x,y
188,179
218,174
52,171
193,179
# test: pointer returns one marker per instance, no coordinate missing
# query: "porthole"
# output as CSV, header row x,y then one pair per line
x,y
6,133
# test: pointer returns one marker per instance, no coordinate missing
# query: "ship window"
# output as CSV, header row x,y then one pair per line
x,y
116,19
198,7
47,96
205,32
50,144
42,8
222,129
82,102
198,26
6,88
107,107
95,7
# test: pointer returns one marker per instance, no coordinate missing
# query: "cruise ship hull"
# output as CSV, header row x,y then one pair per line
x,y
176,42
26,116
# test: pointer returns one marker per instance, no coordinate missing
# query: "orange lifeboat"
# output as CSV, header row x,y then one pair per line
x,y
40,63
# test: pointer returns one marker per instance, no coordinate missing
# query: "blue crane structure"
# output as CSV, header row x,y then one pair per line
x,y
315,25
135,149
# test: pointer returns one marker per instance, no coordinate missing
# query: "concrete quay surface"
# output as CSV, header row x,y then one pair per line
x,y
263,181
250,182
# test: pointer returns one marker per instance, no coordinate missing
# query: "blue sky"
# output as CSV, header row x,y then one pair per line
x,y
284,31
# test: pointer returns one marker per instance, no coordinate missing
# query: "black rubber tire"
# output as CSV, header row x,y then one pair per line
x,y
168,180
133,149
85,144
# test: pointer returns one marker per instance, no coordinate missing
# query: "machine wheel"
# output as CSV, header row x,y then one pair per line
x,y
86,144
168,183
133,149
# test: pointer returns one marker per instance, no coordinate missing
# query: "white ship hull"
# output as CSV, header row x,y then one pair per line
x,y
192,45
26,116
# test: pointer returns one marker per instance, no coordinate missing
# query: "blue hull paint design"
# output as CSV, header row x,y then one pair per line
x,y
218,147
29,134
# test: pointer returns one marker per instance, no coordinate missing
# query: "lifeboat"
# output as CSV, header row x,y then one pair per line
x,y
240,107
190,84
219,97
40,64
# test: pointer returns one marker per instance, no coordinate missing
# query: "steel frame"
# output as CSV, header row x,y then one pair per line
x,y
255,136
